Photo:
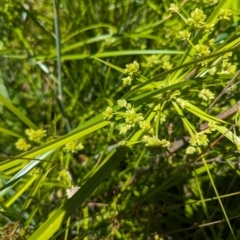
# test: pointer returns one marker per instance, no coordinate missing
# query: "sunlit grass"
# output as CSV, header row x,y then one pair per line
x,y
63,65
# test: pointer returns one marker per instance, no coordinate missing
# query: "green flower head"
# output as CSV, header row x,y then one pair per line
x,y
200,139
202,50
124,129
145,125
35,135
224,14
190,150
21,144
166,65
131,117
173,7
184,34
122,103
73,147
132,68
206,94
108,113
197,18
127,81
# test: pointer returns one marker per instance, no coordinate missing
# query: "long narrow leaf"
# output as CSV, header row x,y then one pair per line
x,y
16,112
54,222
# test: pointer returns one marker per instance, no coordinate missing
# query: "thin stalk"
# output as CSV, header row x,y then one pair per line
x,y
59,68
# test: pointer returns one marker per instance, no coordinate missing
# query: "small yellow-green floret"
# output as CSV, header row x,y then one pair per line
x,y
206,94
35,135
108,113
145,125
122,103
73,147
197,18
191,150
184,34
132,117
21,144
173,7
224,14
124,129
155,142
200,139
127,81
202,50
166,65
132,68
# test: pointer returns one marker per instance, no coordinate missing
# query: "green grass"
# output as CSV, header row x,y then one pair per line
x,y
62,65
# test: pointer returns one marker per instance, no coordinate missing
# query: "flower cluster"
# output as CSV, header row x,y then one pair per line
x,y
183,103
224,14
133,119
122,103
130,69
202,50
155,142
166,65
73,146
124,128
108,113
190,150
130,116
127,81
184,35
209,28
33,135
232,89
227,68
200,139
211,127
21,144
224,66
197,19
174,8
206,94
145,125
151,61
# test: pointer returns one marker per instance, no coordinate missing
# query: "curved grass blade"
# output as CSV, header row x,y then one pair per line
x,y
93,26
16,112
47,149
119,53
15,179
9,132
54,222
